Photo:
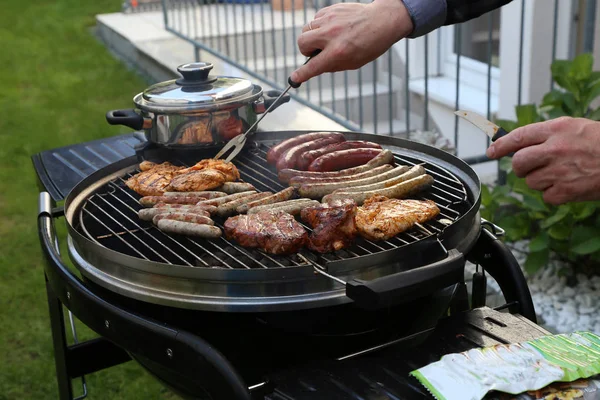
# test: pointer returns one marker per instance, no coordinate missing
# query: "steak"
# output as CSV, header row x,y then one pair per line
x,y
274,232
333,225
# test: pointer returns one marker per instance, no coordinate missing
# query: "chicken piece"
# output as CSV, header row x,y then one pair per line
x,y
227,168
153,179
275,232
197,181
333,225
380,218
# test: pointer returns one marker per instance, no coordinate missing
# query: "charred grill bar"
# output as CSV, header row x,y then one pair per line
x,y
188,296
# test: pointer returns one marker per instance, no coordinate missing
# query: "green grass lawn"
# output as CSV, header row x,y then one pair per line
x,y
56,83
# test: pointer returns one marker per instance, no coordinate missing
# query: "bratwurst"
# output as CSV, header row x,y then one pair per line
x,y
189,229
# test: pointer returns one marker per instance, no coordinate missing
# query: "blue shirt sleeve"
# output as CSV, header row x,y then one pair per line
x,y
426,15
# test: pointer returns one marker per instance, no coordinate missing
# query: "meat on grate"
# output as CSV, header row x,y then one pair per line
x,y
333,225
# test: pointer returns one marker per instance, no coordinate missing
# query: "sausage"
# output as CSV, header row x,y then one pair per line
x,y
318,190
149,201
411,173
296,208
183,216
290,157
343,159
147,214
283,195
398,191
189,229
385,157
298,181
225,199
277,151
204,207
309,156
227,209
236,187
282,204
208,194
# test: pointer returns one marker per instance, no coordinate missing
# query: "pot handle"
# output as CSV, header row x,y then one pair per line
x,y
125,117
269,98
393,289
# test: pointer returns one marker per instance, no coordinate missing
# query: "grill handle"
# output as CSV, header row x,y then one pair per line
x,y
407,285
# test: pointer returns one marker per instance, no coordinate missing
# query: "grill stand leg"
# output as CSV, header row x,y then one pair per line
x,y
59,339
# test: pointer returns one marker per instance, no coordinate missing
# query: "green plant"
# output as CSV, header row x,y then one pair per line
x,y
570,231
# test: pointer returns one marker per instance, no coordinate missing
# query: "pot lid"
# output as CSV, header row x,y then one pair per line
x,y
196,90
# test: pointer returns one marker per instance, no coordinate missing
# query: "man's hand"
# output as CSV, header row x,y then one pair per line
x,y
351,35
560,157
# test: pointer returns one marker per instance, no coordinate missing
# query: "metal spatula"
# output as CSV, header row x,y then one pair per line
x,y
239,141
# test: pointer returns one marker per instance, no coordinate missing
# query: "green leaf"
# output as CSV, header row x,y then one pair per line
x,y
536,260
589,246
553,98
591,93
540,242
584,210
560,232
534,203
570,105
594,115
486,197
506,124
581,67
516,226
560,74
527,114
505,164
561,213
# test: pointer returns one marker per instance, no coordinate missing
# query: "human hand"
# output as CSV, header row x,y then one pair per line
x,y
560,157
351,35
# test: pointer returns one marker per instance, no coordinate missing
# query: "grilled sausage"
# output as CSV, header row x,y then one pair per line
x,y
296,208
385,157
227,209
236,187
398,191
189,229
283,195
147,214
298,181
225,199
343,159
204,207
308,157
277,151
149,201
290,157
275,206
318,190
183,216
208,194
411,173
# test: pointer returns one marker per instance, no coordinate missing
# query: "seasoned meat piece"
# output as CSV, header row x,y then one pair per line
x,y
153,179
333,225
227,168
274,232
380,218
196,181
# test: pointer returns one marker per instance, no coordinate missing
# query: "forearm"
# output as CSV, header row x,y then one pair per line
x,y
464,10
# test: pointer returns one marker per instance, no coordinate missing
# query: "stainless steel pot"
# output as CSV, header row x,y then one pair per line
x,y
197,109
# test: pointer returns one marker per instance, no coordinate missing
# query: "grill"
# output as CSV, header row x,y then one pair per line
x,y
115,249
177,305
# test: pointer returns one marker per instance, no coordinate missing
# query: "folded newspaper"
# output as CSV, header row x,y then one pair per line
x,y
521,371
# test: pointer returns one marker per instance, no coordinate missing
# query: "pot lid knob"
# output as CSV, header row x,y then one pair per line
x,y
195,73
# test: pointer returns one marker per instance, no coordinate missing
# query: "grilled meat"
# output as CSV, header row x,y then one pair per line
x,y
228,169
274,232
196,181
333,225
380,218
153,179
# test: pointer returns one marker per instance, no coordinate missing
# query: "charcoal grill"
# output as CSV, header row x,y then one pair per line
x,y
188,298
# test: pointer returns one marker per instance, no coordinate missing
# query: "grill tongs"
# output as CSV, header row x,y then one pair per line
x,y
239,141
423,268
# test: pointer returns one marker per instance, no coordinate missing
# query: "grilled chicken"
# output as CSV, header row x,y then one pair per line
x,y
275,232
333,225
153,179
197,181
227,168
380,218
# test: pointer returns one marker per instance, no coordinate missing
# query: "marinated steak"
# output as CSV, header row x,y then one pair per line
x,y
197,181
380,218
333,225
274,232
227,168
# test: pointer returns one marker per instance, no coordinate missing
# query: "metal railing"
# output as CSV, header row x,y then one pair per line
x,y
259,37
